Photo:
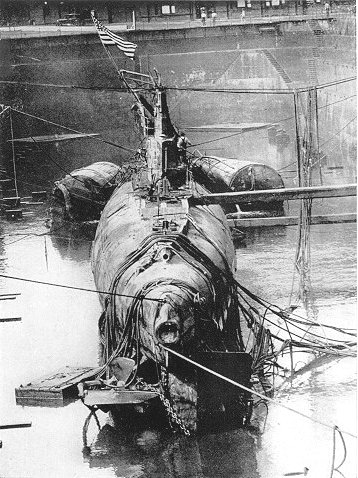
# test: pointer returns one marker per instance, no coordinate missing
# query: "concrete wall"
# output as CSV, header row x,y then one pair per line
x,y
47,12
234,58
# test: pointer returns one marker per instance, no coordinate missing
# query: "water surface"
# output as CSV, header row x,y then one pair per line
x,y
59,327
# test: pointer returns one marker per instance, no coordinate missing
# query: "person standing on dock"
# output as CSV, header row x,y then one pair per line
x,y
213,17
243,14
203,16
327,8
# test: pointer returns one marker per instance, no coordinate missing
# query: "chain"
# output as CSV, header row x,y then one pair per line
x,y
163,385
173,415
142,385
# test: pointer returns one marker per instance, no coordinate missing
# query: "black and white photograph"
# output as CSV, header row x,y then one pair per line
x,y
178,239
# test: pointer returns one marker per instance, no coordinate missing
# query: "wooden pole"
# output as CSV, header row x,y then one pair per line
x,y
15,425
298,141
10,319
13,153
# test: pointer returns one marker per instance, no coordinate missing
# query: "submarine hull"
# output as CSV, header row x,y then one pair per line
x,y
82,194
168,268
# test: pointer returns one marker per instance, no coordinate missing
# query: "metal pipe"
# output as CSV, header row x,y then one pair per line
x,y
284,194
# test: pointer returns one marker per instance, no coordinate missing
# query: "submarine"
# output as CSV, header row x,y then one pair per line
x,y
167,266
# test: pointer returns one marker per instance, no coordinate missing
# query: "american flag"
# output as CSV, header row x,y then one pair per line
x,y
109,38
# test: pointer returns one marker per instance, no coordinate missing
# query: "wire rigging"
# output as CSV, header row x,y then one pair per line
x,y
95,138
195,88
64,286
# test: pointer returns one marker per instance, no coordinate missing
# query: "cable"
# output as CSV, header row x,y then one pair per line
x,y
338,132
132,150
79,288
71,87
198,88
236,384
261,90
96,138
284,316
34,234
93,201
279,121
50,158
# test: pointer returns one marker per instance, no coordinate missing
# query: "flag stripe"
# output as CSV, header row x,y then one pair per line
x,y
109,38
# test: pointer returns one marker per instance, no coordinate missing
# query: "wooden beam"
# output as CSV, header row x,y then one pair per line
x,y
10,319
291,220
284,194
15,425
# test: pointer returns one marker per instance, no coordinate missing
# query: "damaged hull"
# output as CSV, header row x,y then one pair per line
x,y
82,194
168,267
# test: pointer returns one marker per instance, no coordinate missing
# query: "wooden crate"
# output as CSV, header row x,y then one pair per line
x,y
54,389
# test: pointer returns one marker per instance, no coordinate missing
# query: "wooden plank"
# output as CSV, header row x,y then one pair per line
x,y
31,203
284,194
10,319
15,425
13,213
291,220
39,195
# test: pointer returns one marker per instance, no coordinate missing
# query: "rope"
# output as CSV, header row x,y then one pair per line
x,y
86,425
333,467
78,288
263,397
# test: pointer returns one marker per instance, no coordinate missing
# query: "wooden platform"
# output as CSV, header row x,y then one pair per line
x,y
111,398
54,389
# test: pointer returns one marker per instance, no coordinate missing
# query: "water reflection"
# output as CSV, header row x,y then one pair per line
x,y
72,241
157,454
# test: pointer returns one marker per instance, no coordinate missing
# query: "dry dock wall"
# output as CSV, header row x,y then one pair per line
x,y
230,56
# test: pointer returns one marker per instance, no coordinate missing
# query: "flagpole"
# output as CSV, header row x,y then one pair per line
x,y
95,21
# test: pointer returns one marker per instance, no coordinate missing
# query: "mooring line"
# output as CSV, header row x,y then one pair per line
x,y
64,286
264,397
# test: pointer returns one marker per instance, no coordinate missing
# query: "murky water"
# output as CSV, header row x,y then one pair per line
x,y
59,327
